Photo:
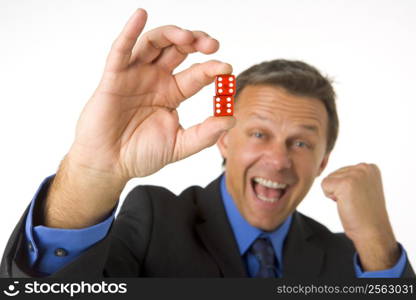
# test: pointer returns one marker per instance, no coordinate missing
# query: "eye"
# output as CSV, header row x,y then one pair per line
x,y
258,135
301,144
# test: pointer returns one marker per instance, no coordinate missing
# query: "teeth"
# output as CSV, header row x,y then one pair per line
x,y
264,198
270,184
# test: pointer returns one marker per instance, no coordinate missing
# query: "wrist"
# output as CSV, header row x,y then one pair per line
x,y
82,173
103,165
80,196
377,252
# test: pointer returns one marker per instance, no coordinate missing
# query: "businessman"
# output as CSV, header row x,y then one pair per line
x,y
242,224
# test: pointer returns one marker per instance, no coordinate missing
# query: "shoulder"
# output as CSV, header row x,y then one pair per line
x,y
320,235
162,199
156,201
150,211
156,194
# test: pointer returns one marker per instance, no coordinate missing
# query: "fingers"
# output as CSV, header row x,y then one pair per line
x,y
197,76
122,47
201,136
174,55
359,168
155,41
360,174
166,46
205,43
329,185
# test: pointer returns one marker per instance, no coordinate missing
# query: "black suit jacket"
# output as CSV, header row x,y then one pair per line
x,y
159,234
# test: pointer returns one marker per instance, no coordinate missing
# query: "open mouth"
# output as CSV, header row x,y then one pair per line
x,y
267,190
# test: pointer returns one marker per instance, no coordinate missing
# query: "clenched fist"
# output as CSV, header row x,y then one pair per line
x,y
358,192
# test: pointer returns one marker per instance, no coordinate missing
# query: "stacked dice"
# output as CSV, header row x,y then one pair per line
x,y
224,95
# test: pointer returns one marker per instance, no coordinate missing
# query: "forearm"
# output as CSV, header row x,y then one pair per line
x,y
80,197
378,252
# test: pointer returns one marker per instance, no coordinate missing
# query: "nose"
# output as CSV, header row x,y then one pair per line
x,y
277,156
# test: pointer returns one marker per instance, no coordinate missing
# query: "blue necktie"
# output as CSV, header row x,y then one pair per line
x,y
263,250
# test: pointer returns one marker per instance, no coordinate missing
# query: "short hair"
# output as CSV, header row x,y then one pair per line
x,y
297,78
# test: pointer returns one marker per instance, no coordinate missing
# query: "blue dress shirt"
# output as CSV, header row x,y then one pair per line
x,y
50,249
245,234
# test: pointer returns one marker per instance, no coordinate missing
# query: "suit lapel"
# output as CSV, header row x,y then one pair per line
x,y
301,257
216,233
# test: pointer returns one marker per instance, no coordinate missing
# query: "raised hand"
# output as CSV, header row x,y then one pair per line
x,y
358,192
130,126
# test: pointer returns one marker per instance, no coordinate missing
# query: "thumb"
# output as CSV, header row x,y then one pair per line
x,y
198,137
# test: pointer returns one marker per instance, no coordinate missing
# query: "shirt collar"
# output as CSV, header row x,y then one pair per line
x,y
244,233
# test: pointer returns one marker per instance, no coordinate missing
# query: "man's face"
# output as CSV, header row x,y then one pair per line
x,y
274,153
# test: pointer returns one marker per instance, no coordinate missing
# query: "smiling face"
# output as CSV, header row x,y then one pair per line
x,y
273,154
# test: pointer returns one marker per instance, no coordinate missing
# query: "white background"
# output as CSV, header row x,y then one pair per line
x,y
52,54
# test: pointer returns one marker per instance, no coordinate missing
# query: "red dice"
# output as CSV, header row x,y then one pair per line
x,y
223,105
225,85
224,95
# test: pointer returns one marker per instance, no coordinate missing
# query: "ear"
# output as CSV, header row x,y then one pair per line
x,y
222,144
323,164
